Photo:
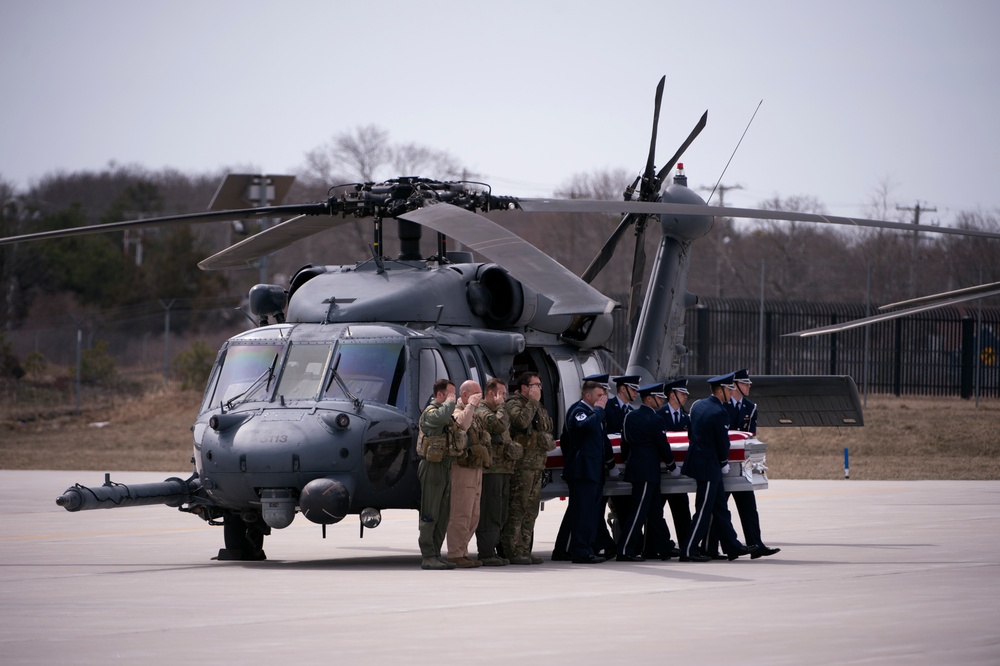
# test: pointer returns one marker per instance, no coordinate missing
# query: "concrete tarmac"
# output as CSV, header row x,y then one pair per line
x,y
870,572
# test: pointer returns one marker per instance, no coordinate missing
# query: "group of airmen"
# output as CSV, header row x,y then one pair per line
x,y
482,458
483,454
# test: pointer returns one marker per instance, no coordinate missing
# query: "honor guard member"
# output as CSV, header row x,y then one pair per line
x,y
435,446
466,476
531,427
621,403
707,462
504,454
587,455
644,433
676,420
627,390
744,417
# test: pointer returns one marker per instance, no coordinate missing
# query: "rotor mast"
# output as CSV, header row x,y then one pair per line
x,y
656,349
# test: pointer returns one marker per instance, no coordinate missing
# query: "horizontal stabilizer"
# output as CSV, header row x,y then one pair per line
x,y
812,401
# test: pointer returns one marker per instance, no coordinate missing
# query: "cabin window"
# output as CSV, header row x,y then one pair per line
x,y
304,371
371,371
247,373
432,368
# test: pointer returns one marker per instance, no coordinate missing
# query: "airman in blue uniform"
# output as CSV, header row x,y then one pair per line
x,y
587,455
676,419
644,434
743,413
706,462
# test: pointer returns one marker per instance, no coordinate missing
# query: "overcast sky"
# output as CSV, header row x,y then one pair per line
x,y
856,94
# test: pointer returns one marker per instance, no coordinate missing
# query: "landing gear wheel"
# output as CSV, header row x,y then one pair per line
x,y
244,541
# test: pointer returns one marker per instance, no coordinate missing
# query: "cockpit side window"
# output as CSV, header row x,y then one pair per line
x,y
373,371
246,373
432,368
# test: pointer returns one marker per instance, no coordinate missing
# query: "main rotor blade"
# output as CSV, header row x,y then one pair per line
x,y
979,291
663,208
534,268
887,316
187,218
242,254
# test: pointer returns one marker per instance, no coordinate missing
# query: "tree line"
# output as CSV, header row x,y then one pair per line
x,y
737,259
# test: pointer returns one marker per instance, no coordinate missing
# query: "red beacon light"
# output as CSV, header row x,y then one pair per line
x,y
679,176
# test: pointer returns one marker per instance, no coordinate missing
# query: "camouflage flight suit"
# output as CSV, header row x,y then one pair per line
x,y
496,480
530,426
434,473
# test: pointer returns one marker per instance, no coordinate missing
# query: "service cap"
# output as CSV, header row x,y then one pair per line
x,y
742,376
597,379
652,389
679,385
725,381
631,381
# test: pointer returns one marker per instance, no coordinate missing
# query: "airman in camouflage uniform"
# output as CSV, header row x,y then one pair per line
x,y
531,427
435,446
496,478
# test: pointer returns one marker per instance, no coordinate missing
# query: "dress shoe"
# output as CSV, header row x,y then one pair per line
x,y
589,559
741,550
761,550
630,558
695,557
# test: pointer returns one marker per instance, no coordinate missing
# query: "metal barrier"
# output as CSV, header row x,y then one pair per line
x,y
949,351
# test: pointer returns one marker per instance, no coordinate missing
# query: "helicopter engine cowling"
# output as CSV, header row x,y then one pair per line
x,y
325,501
505,302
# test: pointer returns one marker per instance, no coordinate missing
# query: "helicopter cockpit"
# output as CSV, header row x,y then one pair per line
x,y
348,367
290,404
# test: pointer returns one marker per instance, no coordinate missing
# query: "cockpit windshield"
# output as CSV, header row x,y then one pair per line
x,y
304,371
370,371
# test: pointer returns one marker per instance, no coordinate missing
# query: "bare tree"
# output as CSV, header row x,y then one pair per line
x,y
412,159
608,184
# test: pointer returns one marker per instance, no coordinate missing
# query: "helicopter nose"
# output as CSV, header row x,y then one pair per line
x,y
325,501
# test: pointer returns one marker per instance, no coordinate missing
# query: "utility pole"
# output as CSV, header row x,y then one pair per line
x,y
916,210
719,237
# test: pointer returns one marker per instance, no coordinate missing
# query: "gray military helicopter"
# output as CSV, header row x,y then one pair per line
x,y
314,410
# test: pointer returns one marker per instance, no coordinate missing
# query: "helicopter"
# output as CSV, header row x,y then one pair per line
x,y
314,409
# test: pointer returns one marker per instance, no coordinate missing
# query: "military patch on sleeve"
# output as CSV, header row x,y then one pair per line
x,y
581,416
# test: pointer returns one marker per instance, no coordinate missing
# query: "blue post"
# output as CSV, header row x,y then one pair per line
x,y
847,468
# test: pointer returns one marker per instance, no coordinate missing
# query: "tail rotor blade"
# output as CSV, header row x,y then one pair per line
x,y
638,269
608,251
684,146
649,172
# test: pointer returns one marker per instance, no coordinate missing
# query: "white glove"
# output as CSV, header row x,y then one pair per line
x,y
675,472
725,469
618,472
